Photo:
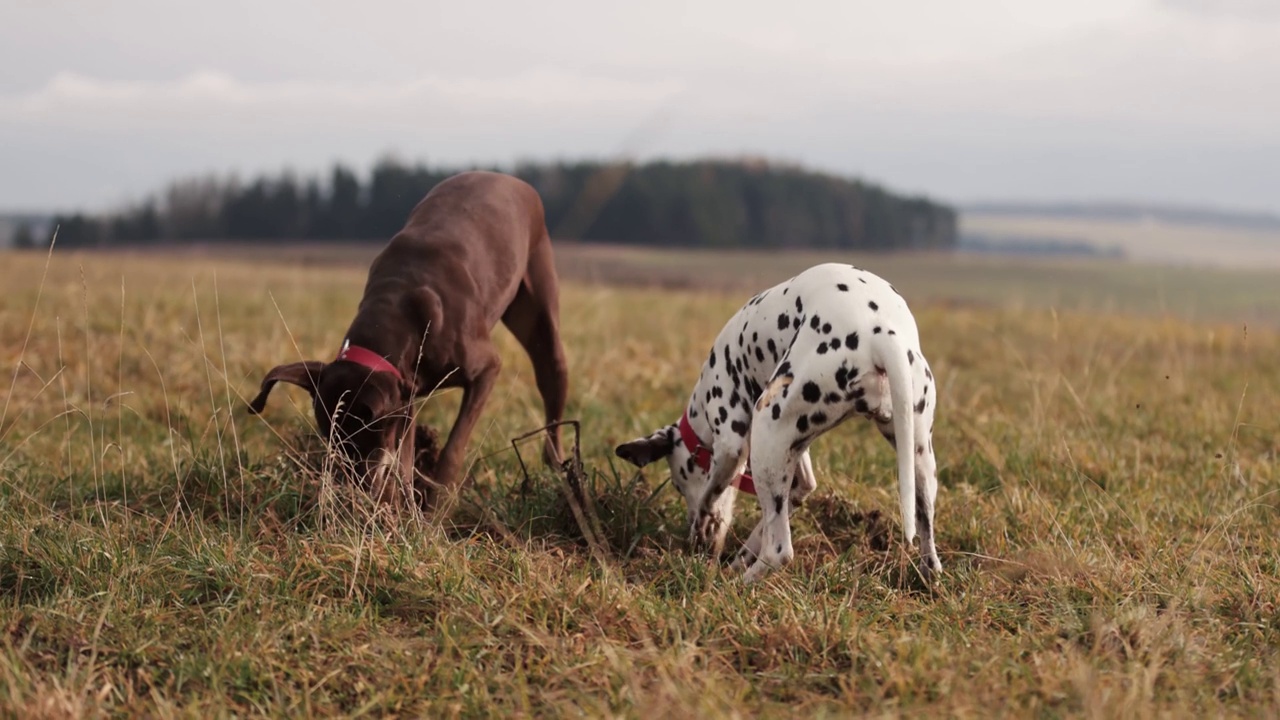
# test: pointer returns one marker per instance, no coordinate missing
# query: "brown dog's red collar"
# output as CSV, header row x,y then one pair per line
x,y
702,455
367,358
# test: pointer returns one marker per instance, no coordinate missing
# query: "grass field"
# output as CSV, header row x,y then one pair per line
x,y
1109,496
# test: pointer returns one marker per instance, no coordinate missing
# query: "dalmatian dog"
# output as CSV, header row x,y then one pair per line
x,y
796,361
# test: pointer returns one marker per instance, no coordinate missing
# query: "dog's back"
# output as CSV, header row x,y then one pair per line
x,y
827,302
473,234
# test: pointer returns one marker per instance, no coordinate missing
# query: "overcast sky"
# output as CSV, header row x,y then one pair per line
x,y
1160,100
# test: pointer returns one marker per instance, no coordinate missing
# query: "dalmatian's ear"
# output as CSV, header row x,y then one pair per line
x,y
642,451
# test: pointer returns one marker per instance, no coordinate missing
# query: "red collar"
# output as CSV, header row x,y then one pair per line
x,y
367,358
702,455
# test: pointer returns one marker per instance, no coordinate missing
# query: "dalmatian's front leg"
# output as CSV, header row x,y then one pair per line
x,y
803,482
710,524
773,463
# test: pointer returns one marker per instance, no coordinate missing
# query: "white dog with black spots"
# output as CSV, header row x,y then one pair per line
x,y
796,361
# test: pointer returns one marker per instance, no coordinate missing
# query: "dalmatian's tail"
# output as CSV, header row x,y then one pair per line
x,y
893,358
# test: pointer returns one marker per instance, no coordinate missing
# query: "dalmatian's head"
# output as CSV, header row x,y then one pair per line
x,y
708,522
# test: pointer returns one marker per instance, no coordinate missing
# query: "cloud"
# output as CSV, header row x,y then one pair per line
x,y
71,99
1251,10
1116,97
101,142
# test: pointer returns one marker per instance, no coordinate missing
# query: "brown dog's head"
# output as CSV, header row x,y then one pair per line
x,y
366,415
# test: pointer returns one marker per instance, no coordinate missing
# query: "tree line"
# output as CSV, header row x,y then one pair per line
x,y
709,204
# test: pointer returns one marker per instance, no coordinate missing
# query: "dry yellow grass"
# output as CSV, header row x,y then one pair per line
x,y
1107,521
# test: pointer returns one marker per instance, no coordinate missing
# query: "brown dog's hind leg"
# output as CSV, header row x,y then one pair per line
x,y
534,319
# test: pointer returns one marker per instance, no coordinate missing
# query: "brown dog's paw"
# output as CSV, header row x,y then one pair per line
x,y
426,450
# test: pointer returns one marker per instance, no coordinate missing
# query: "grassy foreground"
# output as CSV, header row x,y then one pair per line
x,y
1107,521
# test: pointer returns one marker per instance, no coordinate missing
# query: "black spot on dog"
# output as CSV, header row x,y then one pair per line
x,y
799,305
858,392
690,463
737,365
795,325
835,343
842,377
783,321
738,427
784,370
919,449
814,322
893,332
862,280
708,396
777,411
860,406
779,548
727,361
822,348
693,413
826,328
851,341
773,349
911,358
724,413
802,423
734,399
928,373
920,407
711,361
832,398
753,388
818,418
759,354
812,392
873,305
741,339
777,504
876,330
717,391
842,287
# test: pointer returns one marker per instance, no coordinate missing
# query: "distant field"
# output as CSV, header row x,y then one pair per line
x,y
1224,294
1142,240
1110,492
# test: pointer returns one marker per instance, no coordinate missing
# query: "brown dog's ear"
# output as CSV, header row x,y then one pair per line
x,y
303,374
642,451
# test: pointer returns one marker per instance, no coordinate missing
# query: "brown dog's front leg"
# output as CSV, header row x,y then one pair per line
x,y
449,469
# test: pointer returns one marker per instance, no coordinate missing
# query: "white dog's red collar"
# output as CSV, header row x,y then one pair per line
x,y
702,455
367,358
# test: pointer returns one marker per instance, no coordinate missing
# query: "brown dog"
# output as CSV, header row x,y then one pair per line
x,y
474,251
